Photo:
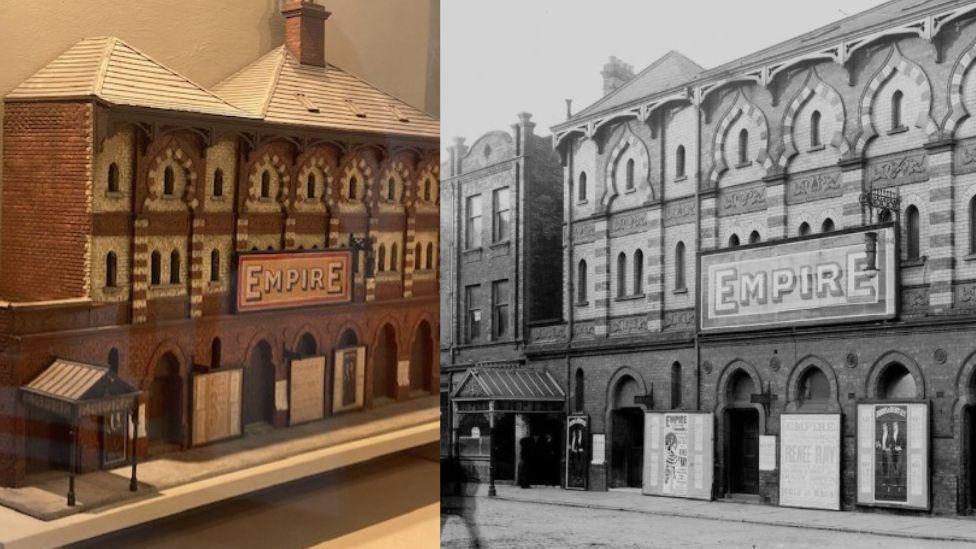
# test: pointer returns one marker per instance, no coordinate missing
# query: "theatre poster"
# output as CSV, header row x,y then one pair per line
x,y
892,454
678,454
577,451
809,457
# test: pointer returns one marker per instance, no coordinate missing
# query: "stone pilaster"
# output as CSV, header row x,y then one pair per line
x,y
197,279
140,271
290,232
852,181
242,234
941,240
601,276
409,260
655,269
709,222
776,207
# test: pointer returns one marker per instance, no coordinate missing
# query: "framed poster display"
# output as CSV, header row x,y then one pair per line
x,y
216,405
577,452
893,454
349,379
115,438
678,454
809,461
307,389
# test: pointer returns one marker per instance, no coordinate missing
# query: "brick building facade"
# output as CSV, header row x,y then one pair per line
x,y
129,193
774,151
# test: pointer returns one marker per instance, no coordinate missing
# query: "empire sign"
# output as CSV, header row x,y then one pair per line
x,y
274,281
799,282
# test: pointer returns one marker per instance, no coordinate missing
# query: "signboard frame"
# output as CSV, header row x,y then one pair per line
x,y
106,461
194,432
318,390
835,504
925,453
338,377
241,306
583,421
888,264
699,448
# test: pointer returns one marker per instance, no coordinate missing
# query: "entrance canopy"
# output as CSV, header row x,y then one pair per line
x,y
74,389
508,389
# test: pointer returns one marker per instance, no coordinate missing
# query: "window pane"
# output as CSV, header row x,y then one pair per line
x,y
473,226
500,206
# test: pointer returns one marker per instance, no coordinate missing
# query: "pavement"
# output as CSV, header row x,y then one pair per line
x,y
853,522
201,476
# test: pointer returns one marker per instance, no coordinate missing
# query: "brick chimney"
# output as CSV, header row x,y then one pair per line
x,y
305,30
615,74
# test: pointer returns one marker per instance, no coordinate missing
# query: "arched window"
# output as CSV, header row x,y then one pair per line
x,y
426,190
679,266
111,270
381,258
754,237
581,282
972,225
744,146
828,225
896,100
214,266
679,161
169,179
676,385
265,184
638,272
804,229
394,263
113,178
582,187
896,382
430,256
174,267
353,191
733,241
815,129
579,391
884,216
814,387
912,233
391,190
215,353
630,174
113,360
310,186
155,267
418,256
621,274
218,182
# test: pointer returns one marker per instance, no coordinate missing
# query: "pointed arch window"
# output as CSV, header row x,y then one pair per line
x,y
621,274
426,190
972,225
174,267
679,162
418,256
155,268
111,270
581,282
815,129
579,390
581,191
754,237
353,191
310,186
169,181
381,258
897,99
734,241
430,256
912,233
679,266
744,146
804,229
638,272
676,385
265,184
394,263
218,182
113,178
391,190
630,174
827,226
214,266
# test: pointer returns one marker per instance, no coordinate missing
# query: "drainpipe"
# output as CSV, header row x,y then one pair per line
x,y
698,228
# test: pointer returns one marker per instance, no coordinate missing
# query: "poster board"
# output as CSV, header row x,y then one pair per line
x,y
767,452
893,454
349,379
307,389
809,458
116,430
216,405
678,454
577,452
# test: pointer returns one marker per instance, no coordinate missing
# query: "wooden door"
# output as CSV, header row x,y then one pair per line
x,y
744,452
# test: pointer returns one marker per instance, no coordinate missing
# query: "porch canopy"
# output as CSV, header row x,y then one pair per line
x,y
73,390
508,390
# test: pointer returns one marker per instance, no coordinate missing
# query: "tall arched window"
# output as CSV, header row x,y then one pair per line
x,y
113,178
310,186
676,385
815,129
579,391
113,360
630,174
430,256
679,266
828,225
155,267
394,260
426,190
265,184
972,225
744,146
581,282
912,232
754,237
814,387
621,274
381,258
214,266
581,191
679,161
218,182
353,190
169,179
111,270
804,229
733,241
638,272
391,190
174,267
215,353
418,256
896,101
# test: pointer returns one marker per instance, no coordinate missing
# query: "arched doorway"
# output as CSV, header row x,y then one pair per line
x,y
306,345
163,416
421,358
742,435
385,365
626,436
259,380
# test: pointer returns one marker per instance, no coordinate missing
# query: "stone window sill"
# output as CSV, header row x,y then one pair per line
x,y
633,297
970,257
582,202
741,165
114,194
898,129
630,190
218,198
582,303
817,148
476,249
680,178
914,262
678,291
501,244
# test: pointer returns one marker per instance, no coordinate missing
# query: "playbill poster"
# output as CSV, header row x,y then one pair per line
x,y
678,454
892,454
349,373
577,458
810,461
307,389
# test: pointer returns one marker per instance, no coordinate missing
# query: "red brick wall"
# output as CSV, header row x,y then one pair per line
x,y
45,222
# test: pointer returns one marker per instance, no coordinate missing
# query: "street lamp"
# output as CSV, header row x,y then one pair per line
x,y
886,201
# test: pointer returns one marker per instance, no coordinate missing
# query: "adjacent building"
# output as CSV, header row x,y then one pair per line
x,y
260,253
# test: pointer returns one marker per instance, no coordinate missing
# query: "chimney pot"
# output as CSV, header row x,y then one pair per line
x,y
569,109
305,30
615,73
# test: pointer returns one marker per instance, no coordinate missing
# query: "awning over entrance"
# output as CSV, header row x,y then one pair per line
x,y
508,384
74,389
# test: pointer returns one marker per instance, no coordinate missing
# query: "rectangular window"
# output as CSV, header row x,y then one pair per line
x,y
500,209
499,308
472,227
472,304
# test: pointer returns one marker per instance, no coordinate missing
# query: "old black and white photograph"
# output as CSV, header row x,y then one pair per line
x,y
708,274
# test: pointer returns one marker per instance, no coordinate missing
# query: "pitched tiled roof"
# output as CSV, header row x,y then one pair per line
x,y
110,69
76,381
280,89
508,384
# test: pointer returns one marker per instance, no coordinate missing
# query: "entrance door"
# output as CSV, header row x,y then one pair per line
x,y
971,427
163,409
627,448
259,386
743,451
547,448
